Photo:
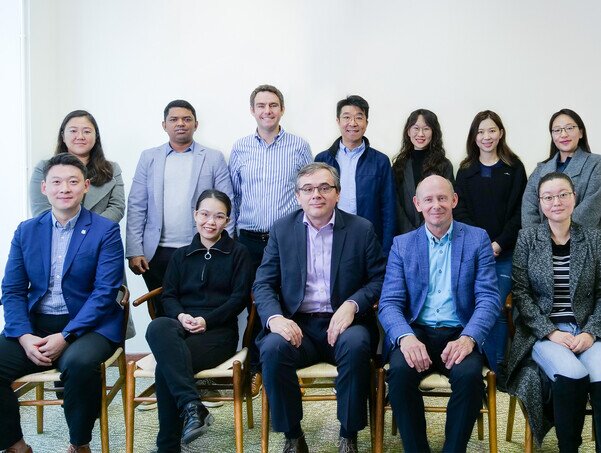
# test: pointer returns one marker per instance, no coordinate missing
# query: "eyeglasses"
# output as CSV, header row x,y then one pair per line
x,y
322,189
348,118
568,129
205,216
424,130
548,199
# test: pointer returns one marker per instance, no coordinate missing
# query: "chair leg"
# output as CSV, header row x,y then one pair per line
x,y
264,422
104,423
480,423
130,388
372,406
238,395
491,390
250,420
510,418
39,395
122,373
379,412
528,442
393,428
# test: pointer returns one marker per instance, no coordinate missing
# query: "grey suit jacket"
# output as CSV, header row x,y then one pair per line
x,y
533,298
585,171
107,200
145,202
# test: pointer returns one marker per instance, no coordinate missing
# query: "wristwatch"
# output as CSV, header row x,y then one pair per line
x,y
69,337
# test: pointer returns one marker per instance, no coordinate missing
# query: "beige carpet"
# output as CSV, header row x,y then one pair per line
x,y
320,425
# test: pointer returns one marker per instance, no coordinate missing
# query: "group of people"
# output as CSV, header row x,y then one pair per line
x,y
311,240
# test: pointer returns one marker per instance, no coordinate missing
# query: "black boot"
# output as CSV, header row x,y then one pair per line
x,y
596,403
197,420
569,404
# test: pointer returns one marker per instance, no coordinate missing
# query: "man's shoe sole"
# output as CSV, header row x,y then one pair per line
x,y
195,434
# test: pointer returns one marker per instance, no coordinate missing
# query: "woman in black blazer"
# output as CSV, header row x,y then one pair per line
x,y
490,183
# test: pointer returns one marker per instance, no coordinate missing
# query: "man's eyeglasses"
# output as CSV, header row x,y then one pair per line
x,y
548,199
322,189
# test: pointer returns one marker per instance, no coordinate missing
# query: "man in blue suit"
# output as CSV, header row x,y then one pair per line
x,y
322,271
438,303
59,294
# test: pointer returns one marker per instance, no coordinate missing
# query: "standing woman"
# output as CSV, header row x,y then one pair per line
x,y
570,154
557,292
422,154
79,135
206,286
490,184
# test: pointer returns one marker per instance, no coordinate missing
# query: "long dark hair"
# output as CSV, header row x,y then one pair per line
x,y
434,163
100,170
582,143
473,152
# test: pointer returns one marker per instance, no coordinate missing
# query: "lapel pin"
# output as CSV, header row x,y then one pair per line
x,y
83,231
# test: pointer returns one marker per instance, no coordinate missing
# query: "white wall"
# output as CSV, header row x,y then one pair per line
x,y
124,61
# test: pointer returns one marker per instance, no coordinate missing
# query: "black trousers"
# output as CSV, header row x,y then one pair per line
x,y
351,354
153,277
80,372
179,356
255,243
408,405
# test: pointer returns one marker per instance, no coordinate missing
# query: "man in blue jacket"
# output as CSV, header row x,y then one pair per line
x,y
59,293
365,173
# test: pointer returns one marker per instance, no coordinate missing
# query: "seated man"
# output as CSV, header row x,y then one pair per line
x,y
59,293
439,301
322,271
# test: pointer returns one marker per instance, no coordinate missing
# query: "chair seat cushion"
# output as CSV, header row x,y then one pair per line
x,y
319,370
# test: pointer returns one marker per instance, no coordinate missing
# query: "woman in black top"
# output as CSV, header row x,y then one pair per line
x,y
206,286
422,154
490,183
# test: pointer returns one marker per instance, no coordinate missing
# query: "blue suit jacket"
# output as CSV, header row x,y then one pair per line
x,y
357,268
92,275
145,202
473,282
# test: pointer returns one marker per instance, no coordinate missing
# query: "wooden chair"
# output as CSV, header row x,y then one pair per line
x,y
513,400
313,377
233,374
37,380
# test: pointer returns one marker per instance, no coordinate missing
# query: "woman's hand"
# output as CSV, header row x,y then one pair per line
x,y
192,324
496,249
582,342
563,338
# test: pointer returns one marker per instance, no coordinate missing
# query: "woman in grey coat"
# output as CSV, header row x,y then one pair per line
x,y
557,292
570,154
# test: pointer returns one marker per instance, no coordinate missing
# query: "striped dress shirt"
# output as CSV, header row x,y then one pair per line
x,y
264,177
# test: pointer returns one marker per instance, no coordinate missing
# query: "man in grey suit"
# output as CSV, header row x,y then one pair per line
x,y
166,185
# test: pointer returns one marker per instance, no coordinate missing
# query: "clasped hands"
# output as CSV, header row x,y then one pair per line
x,y
291,332
192,324
417,357
575,343
43,351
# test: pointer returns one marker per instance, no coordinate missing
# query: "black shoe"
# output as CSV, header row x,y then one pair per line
x,y
298,445
197,420
347,445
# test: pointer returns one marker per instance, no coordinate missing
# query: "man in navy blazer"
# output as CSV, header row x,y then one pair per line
x,y
59,293
439,301
321,274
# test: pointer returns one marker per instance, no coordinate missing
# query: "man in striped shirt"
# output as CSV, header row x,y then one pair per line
x,y
263,168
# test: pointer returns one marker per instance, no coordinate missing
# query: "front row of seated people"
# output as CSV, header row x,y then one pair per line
x,y
322,272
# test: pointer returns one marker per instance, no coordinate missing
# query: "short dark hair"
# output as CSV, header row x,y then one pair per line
x,y
269,88
354,100
582,143
65,159
554,175
314,167
219,196
179,103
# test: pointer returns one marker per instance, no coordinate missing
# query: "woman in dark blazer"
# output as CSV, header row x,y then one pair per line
x,y
557,292
206,286
570,154
422,154
490,183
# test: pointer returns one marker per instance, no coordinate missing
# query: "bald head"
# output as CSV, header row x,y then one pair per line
x,y
435,199
434,180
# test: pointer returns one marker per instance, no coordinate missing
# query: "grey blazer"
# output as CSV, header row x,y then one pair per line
x,y
107,200
585,171
145,202
533,298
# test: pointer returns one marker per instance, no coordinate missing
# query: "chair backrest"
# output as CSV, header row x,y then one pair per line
x,y
123,300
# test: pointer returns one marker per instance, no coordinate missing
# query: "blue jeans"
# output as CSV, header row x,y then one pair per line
x,y
555,359
497,341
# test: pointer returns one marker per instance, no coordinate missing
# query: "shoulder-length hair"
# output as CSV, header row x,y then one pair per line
x,y
582,143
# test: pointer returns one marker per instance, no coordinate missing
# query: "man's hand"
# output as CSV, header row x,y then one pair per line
x,y
192,324
457,350
138,264
52,346
341,319
415,353
496,249
288,329
563,338
28,343
582,342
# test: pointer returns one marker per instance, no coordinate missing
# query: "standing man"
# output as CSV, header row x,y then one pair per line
x,y
167,183
437,316
263,167
59,293
321,274
365,173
